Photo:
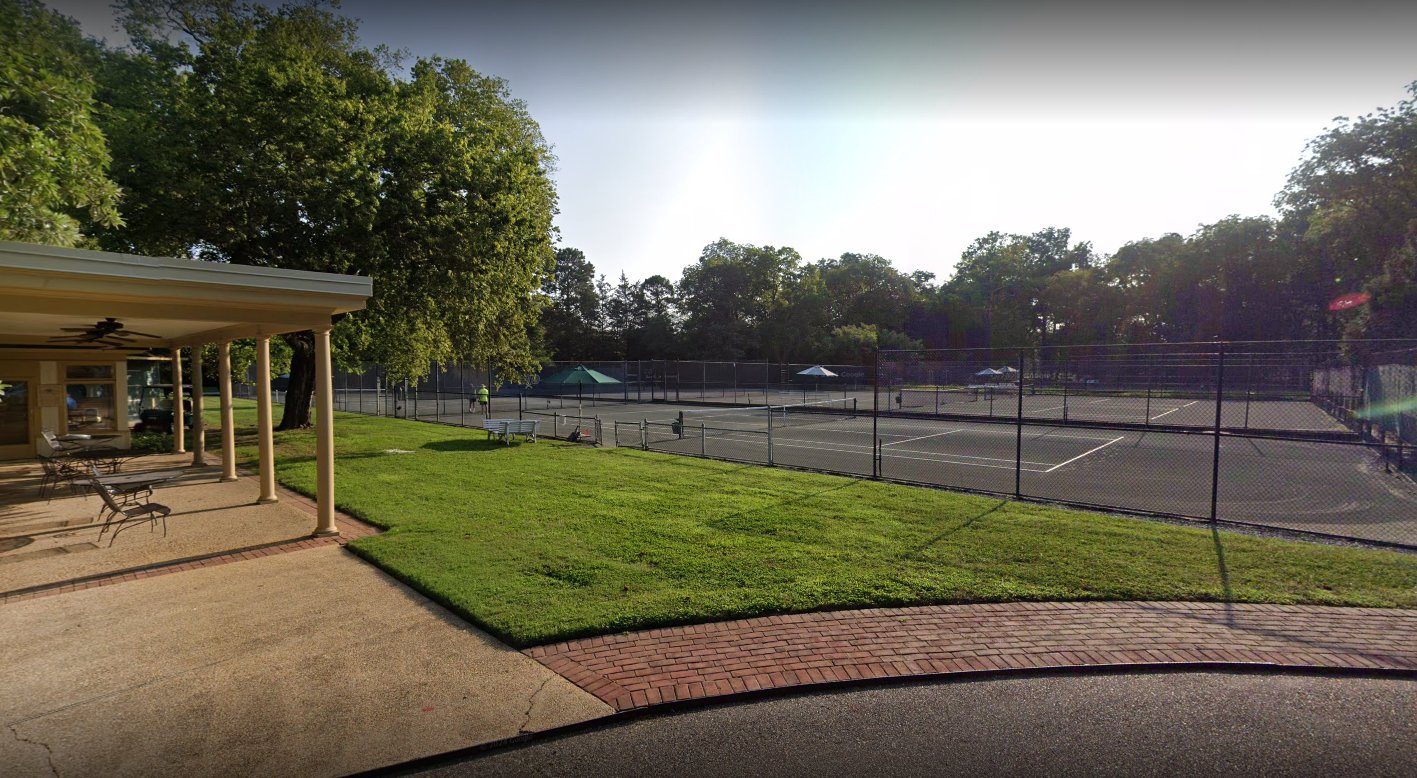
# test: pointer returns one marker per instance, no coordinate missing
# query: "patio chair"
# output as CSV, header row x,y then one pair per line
x,y
118,516
125,494
107,456
57,470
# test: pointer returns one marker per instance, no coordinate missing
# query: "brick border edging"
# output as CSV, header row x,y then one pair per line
x,y
725,660
350,529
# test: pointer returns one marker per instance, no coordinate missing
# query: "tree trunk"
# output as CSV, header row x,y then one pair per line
x,y
302,381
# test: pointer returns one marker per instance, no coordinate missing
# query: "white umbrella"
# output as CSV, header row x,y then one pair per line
x,y
988,371
1006,369
817,370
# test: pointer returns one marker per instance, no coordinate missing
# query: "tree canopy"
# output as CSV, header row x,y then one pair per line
x,y
54,159
270,136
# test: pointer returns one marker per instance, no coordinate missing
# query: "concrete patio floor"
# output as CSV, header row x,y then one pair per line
x,y
45,541
303,663
206,658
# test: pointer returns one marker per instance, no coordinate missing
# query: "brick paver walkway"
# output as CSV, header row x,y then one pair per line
x,y
684,663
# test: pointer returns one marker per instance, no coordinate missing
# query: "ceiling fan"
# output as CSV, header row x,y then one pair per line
x,y
106,332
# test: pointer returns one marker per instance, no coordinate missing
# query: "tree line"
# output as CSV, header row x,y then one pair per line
x,y
271,135
1347,225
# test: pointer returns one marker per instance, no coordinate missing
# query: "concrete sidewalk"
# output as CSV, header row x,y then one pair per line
x,y
303,663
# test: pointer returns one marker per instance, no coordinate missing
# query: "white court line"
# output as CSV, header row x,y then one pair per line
x,y
850,448
1173,410
922,437
1083,454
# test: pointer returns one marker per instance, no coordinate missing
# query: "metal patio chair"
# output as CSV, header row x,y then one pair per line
x,y
118,516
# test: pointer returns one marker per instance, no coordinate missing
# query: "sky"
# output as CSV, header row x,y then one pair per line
x,y
906,130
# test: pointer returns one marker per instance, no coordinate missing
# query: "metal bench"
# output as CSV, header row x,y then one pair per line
x,y
506,428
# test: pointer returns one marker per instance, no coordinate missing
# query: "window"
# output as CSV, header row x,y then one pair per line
x,y
89,397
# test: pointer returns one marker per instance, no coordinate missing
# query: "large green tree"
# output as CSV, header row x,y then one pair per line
x,y
571,324
53,156
731,294
275,139
1355,195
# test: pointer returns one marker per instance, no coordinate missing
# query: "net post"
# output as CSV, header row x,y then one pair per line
x,y
1018,434
1219,406
875,408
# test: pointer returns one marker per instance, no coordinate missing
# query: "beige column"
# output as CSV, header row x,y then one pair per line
x,y
199,427
324,436
179,419
228,421
263,420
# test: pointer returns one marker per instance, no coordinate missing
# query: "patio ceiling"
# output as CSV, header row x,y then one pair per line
x,y
184,302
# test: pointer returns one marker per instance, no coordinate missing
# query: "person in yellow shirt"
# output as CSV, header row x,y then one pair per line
x,y
484,398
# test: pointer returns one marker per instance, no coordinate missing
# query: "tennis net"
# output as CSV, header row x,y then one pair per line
x,y
764,416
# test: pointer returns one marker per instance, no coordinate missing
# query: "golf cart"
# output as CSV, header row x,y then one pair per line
x,y
154,408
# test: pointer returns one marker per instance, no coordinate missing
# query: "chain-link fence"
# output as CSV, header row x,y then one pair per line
x,y
1307,436
1317,437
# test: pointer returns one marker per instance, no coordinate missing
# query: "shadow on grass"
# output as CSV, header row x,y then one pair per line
x,y
468,444
919,551
1226,592
781,503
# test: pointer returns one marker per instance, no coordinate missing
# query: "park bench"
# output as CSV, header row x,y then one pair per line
x,y
506,428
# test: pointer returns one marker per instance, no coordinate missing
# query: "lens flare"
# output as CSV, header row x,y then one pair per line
x,y
1390,408
1350,300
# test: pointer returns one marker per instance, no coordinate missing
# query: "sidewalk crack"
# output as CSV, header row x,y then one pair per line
x,y
531,704
48,754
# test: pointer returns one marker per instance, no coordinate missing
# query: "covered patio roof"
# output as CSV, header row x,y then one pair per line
x,y
44,289
49,294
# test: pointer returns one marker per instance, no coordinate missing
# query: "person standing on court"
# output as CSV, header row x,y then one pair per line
x,y
484,398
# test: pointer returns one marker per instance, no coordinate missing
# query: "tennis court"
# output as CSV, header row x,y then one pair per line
x,y
1338,487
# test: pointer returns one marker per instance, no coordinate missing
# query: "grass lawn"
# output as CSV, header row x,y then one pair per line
x,y
548,541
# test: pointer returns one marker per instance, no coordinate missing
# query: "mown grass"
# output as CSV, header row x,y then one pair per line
x,y
548,541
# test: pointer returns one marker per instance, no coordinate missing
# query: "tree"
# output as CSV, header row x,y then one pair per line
x,y
731,293
53,156
285,144
866,288
572,321
655,334
1355,194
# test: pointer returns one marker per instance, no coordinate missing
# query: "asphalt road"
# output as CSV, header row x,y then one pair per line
x,y
1193,724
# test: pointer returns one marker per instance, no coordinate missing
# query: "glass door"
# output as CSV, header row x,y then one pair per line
x,y
16,435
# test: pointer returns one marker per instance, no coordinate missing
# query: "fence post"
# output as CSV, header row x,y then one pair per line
x,y
1219,405
1018,434
875,411
703,440
769,434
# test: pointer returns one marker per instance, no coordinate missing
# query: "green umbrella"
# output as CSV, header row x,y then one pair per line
x,y
580,375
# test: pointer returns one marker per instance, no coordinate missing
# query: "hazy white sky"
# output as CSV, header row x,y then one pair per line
x,y
906,132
